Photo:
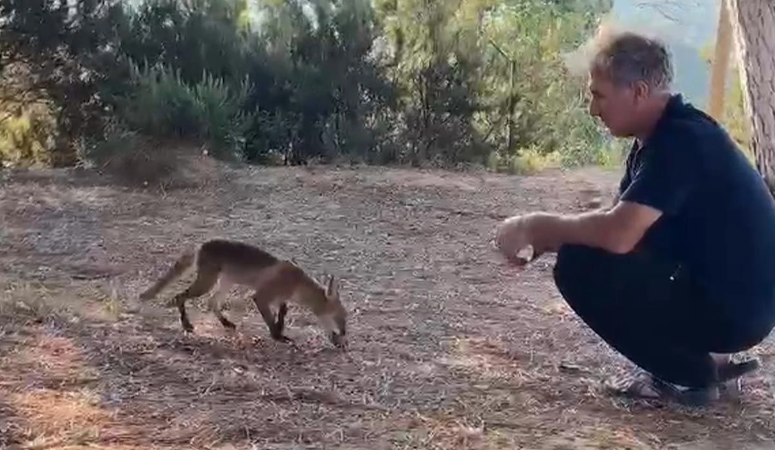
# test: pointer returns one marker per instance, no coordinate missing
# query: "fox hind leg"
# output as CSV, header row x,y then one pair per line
x,y
214,303
205,280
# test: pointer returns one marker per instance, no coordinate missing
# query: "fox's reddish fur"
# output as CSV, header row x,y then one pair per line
x,y
275,282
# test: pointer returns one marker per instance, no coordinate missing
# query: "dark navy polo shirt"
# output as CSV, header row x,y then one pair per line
x,y
718,217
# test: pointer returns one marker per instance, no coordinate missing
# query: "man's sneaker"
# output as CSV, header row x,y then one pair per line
x,y
648,387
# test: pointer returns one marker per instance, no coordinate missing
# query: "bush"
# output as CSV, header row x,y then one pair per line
x,y
527,161
27,137
163,106
434,82
136,160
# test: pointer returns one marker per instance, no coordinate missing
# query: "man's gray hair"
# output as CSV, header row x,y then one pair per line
x,y
628,57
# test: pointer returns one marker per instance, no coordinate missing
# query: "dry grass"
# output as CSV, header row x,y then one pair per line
x,y
448,349
136,161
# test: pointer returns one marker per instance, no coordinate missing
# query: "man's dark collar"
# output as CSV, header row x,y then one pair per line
x,y
675,102
673,105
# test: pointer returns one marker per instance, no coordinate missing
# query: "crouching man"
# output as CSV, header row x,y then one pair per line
x,y
680,272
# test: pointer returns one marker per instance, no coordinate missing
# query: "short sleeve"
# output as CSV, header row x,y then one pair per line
x,y
664,180
624,183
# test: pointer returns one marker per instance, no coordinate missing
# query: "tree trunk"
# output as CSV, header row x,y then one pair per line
x,y
753,24
511,106
720,64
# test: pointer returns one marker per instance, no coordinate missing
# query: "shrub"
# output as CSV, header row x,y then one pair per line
x,y
27,137
163,106
136,160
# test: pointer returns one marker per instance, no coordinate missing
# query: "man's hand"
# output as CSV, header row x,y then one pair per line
x,y
517,233
617,230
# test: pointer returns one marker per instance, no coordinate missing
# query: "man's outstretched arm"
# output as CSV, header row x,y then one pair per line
x,y
663,182
617,229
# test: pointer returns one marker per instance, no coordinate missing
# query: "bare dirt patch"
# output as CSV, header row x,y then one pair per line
x,y
448,348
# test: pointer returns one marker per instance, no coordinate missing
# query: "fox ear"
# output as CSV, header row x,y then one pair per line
x,y
332,287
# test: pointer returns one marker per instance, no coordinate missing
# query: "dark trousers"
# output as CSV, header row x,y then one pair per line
x,y
651,312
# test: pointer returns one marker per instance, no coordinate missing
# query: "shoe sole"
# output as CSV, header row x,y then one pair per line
x,y
729,384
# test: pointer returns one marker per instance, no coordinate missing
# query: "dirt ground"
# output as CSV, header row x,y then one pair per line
x,y
448,348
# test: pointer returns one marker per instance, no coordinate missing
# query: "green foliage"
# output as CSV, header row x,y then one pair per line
x,y
546,107
434,58
326,95
165,106
407,81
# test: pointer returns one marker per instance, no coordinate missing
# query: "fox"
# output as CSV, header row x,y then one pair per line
x,y
274,281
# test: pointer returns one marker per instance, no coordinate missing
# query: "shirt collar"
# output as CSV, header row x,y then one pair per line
x,y
673,107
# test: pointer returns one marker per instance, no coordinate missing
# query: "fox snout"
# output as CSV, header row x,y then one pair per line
x,y
339,340
338,333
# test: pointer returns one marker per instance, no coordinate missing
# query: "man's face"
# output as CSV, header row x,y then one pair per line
x,y
616,106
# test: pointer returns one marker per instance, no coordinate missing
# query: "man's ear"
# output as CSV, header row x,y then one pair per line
x,y
641,90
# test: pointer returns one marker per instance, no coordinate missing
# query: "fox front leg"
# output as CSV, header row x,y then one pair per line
x,y
275,327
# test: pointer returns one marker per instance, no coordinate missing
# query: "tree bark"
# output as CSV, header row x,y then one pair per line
x,y
753,25
720,64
